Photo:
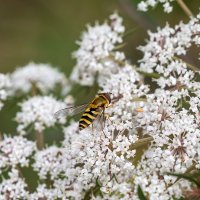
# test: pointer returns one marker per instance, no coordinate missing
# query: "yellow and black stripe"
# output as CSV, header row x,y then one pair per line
x,y
88,117
100,102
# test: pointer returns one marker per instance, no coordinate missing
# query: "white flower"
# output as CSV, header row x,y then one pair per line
x,y
96,54
39,112
144,5
42,192
4,87
167,7
151,175
38,78
15,150
92,157
171,114
127,83
163,49
14,187
49,162
100,162
176,142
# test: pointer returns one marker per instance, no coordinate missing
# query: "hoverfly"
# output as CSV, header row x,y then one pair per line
x,y
93,110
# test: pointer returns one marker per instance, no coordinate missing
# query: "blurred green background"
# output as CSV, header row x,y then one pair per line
x,y
46,31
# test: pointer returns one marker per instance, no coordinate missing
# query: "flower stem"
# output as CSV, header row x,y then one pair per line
x,y
39,140
184,7
34,90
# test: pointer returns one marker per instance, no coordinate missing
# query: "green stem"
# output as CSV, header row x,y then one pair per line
x,y
39,140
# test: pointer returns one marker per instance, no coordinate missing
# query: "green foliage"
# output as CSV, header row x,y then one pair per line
x,y
192,177
95,191
141,194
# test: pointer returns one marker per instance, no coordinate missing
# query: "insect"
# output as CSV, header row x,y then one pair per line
x,y
92,111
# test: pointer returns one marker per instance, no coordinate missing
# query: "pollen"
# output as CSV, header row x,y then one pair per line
x,y
139,109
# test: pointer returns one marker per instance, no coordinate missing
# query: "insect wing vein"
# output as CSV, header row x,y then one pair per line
x,y
70,111
98,123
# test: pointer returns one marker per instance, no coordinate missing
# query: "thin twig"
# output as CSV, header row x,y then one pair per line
x,y
184,7
34,89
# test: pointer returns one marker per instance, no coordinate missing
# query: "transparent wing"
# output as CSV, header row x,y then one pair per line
x,y
99,122
70,111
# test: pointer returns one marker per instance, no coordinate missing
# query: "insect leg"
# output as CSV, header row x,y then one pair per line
x,y
103,117
103,122
107,118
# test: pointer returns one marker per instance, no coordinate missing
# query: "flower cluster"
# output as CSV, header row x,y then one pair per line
x,y
150,177
49,162
176,137
15,151
97,54
163,50
4,87
102,161
171,113
13,188
39,112
87,160
42,192
144,5
38,78
98,158
128,85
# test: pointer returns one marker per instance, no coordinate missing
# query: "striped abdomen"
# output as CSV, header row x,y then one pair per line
x,y
94,109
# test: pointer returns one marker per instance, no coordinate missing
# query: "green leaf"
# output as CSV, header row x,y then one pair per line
x,y
141,193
